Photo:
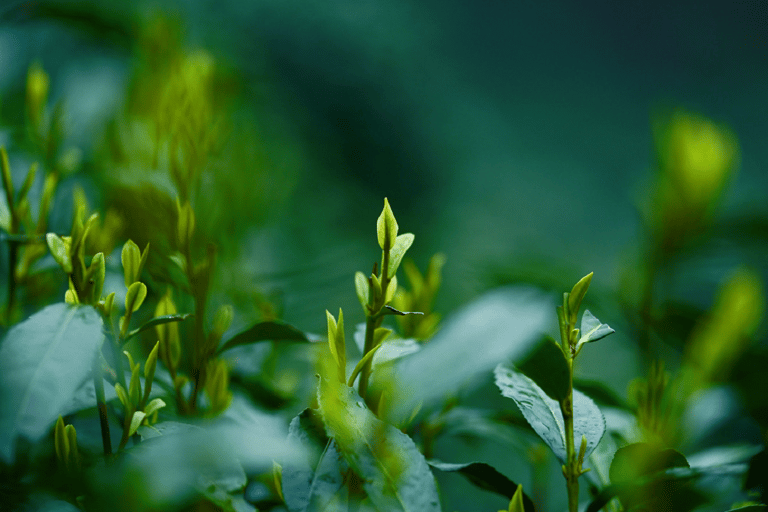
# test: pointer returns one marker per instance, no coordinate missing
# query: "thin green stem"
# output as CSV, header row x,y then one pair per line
x,y
373,321
370,327
13,255
101,405
571,467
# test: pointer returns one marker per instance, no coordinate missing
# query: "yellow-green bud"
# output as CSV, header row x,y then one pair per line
x,y
38,84
386,227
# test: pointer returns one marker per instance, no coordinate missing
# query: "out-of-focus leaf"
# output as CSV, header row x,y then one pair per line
x,y
501,325
316,480
544,414
547,367
485,477
394,473
177,461
43,361
670,490
600,393
633,462
265,331
757,474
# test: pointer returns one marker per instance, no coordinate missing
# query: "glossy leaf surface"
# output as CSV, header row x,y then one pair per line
x,y
544,415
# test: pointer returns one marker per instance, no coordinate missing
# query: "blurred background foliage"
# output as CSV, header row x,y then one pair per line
x,y
528,143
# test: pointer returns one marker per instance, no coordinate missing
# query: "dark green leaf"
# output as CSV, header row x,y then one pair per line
x,y
389,310
547,366
750,508
634,462
265,331
394,473
757,475
544,415
158,320
43,361
642,459
485,477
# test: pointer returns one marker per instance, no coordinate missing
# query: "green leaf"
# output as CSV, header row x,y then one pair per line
x,y
154,405
317,481
485,477
43,362
547,367
592,329
134,297
131,259
544,415
394,473
158,320
28,182
60,251
642,459
402,244
7,179
386,227
577,294
362,287
504,324
136,420
265,331
644,476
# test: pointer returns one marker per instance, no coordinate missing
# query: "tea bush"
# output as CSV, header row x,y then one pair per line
x,y
141,369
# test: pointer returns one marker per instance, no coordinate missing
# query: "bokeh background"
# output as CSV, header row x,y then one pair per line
x,y
516,138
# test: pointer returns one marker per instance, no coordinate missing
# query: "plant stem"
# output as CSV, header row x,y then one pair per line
x,y
571,463
370,327
101,404
373,321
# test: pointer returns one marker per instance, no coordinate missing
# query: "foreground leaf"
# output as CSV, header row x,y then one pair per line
x,y
43,362
633,462
544,415
393,471
265,331
317,479
485,477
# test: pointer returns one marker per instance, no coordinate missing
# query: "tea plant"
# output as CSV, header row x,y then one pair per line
x,y
121,380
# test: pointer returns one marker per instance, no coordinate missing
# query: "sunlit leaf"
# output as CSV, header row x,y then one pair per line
x,y
402,244
394,473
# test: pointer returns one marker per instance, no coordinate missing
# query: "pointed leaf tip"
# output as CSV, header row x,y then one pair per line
x,y
386,227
